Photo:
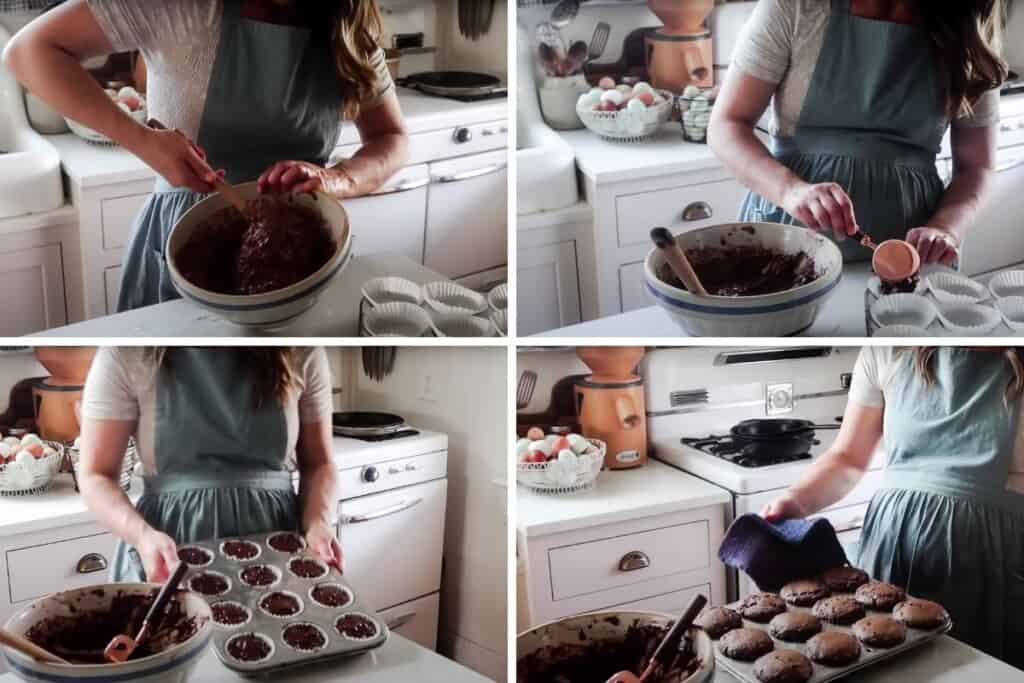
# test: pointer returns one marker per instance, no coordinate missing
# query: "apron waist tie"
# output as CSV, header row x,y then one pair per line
x,y
168,483
985,495
851,144
161,186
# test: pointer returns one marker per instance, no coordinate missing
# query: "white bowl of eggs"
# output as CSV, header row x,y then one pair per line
x,y
624,112
131,101
558,463
28,464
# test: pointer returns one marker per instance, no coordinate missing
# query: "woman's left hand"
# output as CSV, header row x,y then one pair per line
x,y
321,540
935,245
302,177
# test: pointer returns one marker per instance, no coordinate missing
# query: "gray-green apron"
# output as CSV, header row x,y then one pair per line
x,y
873,122
943,524
219,458
274,95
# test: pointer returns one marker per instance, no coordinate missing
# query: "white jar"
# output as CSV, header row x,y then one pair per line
x,y
558,97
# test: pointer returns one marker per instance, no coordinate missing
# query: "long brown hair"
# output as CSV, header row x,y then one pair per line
x,y
273,369
967,39
922,359
356,28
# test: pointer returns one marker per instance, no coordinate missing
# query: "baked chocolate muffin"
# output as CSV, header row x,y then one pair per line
x,y
717,621
761,607
833,648
794,627
878,630
783,666
745,644
921,614
844,579
880,595
804,592
839,609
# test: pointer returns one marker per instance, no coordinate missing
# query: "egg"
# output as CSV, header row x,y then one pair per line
x,y
624,89
5,450
658,100
606,83
25,459
522,446
540,446
567,458
124,107
691,91
127,91
646,97
588,99
642,86
133,103
551,440
49,452
577,443
12,441
636,106
606,106
30,438
613,96
535,434
36,449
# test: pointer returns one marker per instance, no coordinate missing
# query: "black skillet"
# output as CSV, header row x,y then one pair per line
x,y
776,429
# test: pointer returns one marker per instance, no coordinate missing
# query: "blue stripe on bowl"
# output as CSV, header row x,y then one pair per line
x,y
111,678
743,310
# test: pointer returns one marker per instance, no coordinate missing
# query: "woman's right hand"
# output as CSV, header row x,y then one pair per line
x,y
821,206
159,555
782,508
181,162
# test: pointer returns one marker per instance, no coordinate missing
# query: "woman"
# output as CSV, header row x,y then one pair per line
x,y
261,86
863,93
948,520
218,431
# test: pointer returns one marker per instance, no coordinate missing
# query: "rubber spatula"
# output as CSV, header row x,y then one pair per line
x,y
27,647
667,649
677,260
121,646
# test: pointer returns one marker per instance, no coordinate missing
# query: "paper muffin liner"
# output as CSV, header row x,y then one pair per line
x,y
455,325
500,320
269,641
385,290
949,288
396,320
969,319
449,297
903,309
904,331
497,298
1012,310
1008,284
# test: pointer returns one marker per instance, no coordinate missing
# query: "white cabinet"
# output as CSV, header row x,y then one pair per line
x,y
393,219
548,287
112,287
33,290
993,240
467,214
416,620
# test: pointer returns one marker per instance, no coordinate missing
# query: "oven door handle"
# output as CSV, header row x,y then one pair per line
x,y
403,187
466,175
1010,165
383,512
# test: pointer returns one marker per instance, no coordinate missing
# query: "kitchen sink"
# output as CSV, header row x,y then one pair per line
x,y
546,164
30,179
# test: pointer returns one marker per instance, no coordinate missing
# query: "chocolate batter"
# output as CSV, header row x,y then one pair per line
x,y
596,662
208,584
81,639
331,596
196,557
307,569
908,286
282,244
356,626
286,543
259,575
249,647
745,270
304,637
281,604
241,550
229,613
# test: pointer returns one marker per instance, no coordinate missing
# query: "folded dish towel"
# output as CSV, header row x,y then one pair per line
x,y
774,553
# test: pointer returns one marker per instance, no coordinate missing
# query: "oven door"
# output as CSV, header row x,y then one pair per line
x,y
392,543
992,241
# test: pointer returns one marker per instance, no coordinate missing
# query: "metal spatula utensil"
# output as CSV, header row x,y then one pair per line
x,y
122,646
599,41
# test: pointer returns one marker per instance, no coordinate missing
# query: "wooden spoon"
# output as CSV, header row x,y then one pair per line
x,y
677,261
668,648
27,647
121,646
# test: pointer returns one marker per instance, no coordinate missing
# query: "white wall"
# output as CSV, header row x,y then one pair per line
x,y
462,392
550,366
488,54
15,367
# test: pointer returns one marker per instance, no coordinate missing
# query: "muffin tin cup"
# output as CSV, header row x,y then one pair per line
x,y
903,309
283,655
955,288
1008,284
744,671
451,297
969,320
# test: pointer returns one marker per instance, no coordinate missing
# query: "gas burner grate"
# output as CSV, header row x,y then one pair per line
x,y
743,455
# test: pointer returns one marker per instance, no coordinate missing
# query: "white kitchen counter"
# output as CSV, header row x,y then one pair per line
x,y
59,507
336,313
620,496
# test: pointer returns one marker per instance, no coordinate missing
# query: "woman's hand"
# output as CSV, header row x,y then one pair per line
x,y
782,508
181,162
321,540
302,177
159,555
821,206
935,245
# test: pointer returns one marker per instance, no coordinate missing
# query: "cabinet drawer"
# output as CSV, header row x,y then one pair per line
x,y
679,209
416,620
44,569
625,560
118,216
667,603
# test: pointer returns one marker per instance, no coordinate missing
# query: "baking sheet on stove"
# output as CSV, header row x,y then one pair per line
x,y
283,655
744,671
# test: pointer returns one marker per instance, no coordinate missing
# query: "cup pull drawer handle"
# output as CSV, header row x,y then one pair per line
x,y
466,175
377,514
401,620
697,211
634,561
91,563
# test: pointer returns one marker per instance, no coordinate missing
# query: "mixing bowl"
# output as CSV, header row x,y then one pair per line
x,y
173,665
767,315
271,309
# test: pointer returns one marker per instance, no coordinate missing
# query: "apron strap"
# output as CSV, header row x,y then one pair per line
x,y
817,141
167,483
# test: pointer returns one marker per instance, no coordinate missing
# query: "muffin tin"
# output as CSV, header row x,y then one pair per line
x,y
744,671
254,618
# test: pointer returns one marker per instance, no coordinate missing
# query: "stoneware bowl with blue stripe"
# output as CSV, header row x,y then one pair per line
x,y
768,315
271,310
173,664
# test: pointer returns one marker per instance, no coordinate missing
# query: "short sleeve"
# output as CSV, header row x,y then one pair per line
x,y
111,392
985,114
315,400
867,386
152,25
765,46
385,83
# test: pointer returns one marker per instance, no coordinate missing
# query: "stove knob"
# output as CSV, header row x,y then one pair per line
x,y
370,474
463,135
